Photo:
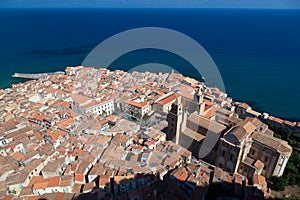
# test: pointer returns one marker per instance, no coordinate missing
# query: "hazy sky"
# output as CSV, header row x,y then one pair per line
x,y
274,4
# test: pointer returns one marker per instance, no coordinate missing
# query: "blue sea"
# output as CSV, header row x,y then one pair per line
x,y
257,51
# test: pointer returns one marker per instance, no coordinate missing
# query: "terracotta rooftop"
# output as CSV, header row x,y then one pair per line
x,y
138,104
244,106
193,134
272,142
79,177
206,123
80,99
149,143
210,112
275,119
88,187
180,174
123,179
104,180
18,156
103,139
291,124
259,164
238,133
167,99
35,179
41,185
54,181
259,180
111,118
66,180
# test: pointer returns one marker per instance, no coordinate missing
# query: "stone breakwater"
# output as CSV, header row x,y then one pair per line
x,y
31,76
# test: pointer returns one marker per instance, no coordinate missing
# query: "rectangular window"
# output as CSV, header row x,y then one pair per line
x,y
253,152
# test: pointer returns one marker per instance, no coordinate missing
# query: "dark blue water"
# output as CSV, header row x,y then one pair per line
x,y
256,51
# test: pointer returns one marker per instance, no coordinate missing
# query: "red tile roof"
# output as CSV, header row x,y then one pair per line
x,y
18,156
8,197
79,177
104,180
167,99
35,179
41,185
180,174
244,106
260,180
291,124
138,104
150,142
54,181
277,120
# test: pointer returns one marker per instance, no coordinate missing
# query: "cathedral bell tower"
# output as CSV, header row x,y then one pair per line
x,y
174,119
198,99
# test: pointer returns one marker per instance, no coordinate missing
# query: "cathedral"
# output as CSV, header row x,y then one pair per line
x,y
246,148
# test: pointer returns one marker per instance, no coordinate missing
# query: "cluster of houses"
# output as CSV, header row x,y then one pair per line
x,y
244,110
70,134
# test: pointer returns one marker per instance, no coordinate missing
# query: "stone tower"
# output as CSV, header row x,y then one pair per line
x,y
174,118
199,102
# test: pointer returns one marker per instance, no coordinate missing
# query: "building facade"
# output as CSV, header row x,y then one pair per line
x,y
247,148
83,105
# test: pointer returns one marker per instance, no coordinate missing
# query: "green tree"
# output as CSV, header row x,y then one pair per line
x,y
291,174
146,117
277,183
137,115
